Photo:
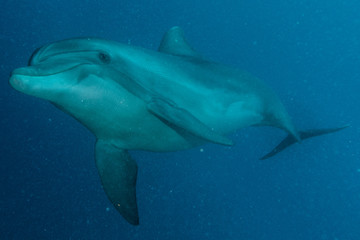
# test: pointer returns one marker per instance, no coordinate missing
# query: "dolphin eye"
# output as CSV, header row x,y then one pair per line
x,y
104,57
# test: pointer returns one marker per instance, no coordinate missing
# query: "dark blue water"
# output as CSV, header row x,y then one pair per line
x,y
308,51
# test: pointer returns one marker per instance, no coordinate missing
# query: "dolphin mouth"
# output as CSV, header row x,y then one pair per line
x,y
43,63
42,70
40,56
59,57
34,79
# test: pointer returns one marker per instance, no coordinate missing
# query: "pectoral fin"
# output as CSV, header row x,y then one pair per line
x,y
185,120
118,172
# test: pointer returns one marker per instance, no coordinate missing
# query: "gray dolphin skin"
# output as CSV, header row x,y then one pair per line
x,y
131,98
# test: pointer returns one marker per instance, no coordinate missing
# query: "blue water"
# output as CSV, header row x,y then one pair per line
x,y
308,51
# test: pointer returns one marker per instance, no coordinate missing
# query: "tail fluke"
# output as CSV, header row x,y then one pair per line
x,y
290,139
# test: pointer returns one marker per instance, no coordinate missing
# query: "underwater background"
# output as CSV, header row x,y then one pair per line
x,y
307,51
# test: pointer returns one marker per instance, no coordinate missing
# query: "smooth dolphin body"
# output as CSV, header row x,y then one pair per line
x,y
132,98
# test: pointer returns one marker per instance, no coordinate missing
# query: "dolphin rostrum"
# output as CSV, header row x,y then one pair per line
x,y
132,98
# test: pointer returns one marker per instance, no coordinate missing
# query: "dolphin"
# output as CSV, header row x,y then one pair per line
x,y
131,98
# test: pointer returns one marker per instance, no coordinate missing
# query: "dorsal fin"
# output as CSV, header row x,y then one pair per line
x,y
173,42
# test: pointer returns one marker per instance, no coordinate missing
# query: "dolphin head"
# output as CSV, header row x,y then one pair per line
x,y
55,67
81,77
